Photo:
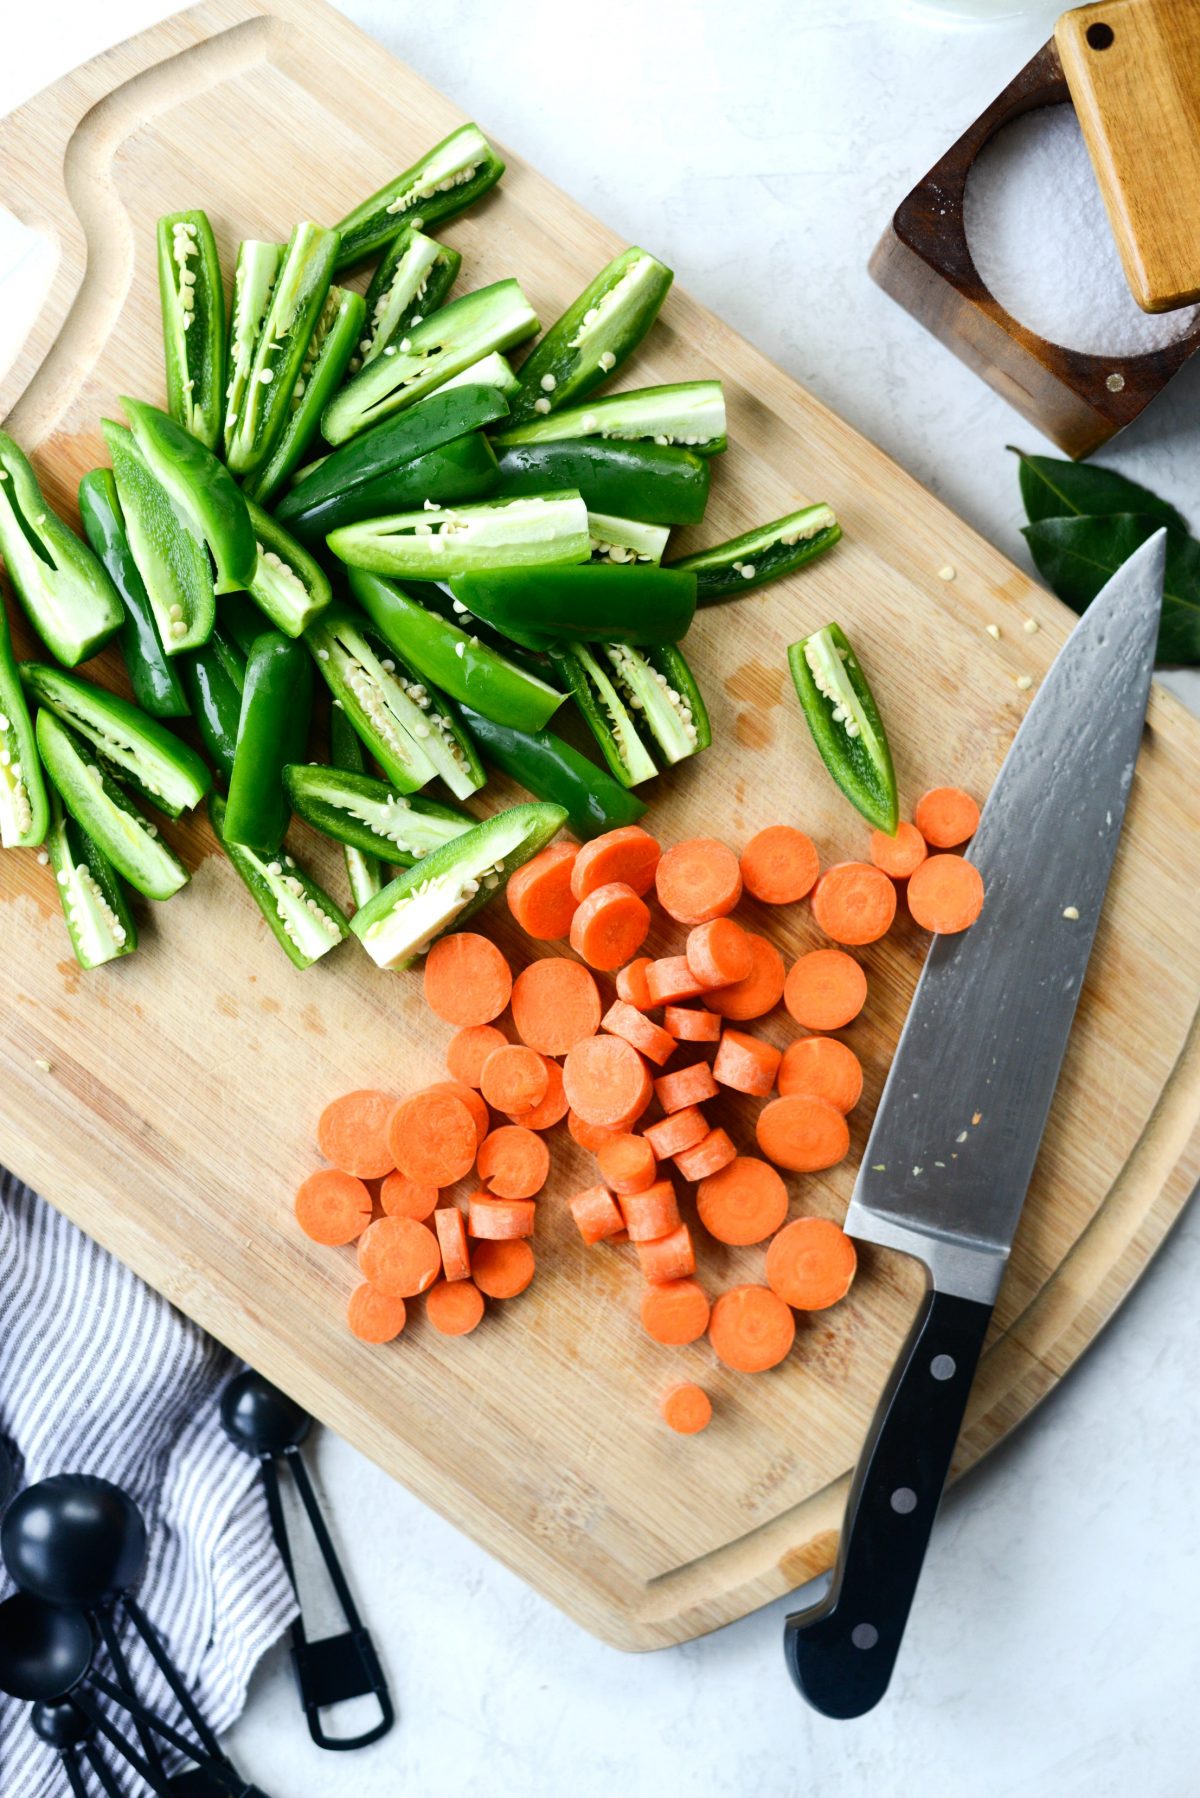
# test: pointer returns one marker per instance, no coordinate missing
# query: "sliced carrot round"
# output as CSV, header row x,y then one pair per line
x,y
373,1317
399,1256
515,1078
596,1214
555,1004
590,1136
647,1037
779,865
454,1307
669,1257
900,855
811,1263
610,926
745,1202
685,1087
631,984
946,817
352,1132
401,1197
652,1214
692,1024
332,1207
825,989
751,1329
686,1409
474,1102
710,1154
433,1138
502,1269
539,894
675,1312
469,1049
946,894
698,880
627,1163
679,1131
854,902
629,855
606,1081
746,1064
500,1220
719,953
467,980
803,1135
551,1109
513,1162
671,978
761,990
819,1067
451,1231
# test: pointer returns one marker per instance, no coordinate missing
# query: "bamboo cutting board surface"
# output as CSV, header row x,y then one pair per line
x,y
176,1114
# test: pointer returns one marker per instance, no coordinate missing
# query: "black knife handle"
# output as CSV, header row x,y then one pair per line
x,y
841,1651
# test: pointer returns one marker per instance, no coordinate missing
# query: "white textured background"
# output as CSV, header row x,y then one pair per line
x,y
759,148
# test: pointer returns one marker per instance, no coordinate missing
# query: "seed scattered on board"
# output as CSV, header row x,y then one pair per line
x,y
946,572
1070,911
993,630
1024,682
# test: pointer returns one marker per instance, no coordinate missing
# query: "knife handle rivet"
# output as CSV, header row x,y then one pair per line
x,y
904,1500
943,1367
864,1635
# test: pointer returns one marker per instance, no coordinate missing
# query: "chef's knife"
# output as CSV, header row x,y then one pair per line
x,y
954,1142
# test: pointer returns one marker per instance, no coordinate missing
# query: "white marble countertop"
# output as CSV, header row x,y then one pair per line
x,y
759,148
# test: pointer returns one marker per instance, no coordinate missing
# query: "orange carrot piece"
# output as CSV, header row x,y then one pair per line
x,y
819,1067
668,1257
399,1256
539,894
761,990
373,1317
610,926
631,984
803,1135
552,1109
743,1202
945,894
901,855
671,978
629,855
854,902
627,1163
685,1087
555,1004
467,980
352,1132
681,1130
607,1081
811,1263
332,1207
692,1024
590,1136
501,1270
474,1102
625,1021
719,953
454,1307
751,1329
513,1163
746,1063
433,1138
597,1214
675,1312
710,1155
698,880
500,1220
618,1236
686,1408
451,1230
779,865
946,817
469,1049
401,1197
652,1214
515,1078
825,989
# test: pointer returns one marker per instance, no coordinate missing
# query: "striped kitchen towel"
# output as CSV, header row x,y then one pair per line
x,y
100,1375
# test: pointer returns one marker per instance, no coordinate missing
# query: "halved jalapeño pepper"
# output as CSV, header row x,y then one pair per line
x,y
371,816
287,584
156,685
303,918
492,318
255,423
330,348
253,283
594,335
193,315
413,278
620,540
686,414
583,669
587,604
133,748
120,832
552,769
615,684
443,541
214,676
494,371
646,481
453,474
66,594
728,570
446,179
272,731
402,722
455,661
366,873
451,883
99,921
24,807
845,723
201,489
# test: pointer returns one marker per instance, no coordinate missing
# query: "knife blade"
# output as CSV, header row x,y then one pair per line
x,y
960,1121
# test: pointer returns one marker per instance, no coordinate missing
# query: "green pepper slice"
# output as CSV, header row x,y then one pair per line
x,y
272,731
450,884
135,749
287,584
24,808
97,915
214,676
156,686
646,481
619,540
728,570
413,278
253,283
553,770
594,335
494,371
661,689
174,565
326,360
447,179
65,592
845,723
456,662
365,872
201,490
254,425
193,315
632,604
591,683
688,414
441,542
371,816
303,919
453,474
123,836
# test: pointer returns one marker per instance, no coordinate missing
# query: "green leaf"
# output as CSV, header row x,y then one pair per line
x,y
1076,556
1051,488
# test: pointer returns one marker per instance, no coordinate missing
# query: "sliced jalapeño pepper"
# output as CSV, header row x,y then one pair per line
x,y
494,371
552,769
287,584
413,278
619,540
272,731
687,414
631,604
253,282
845,723
214,676
65,592
127,839
98,919
455,473
201,489
326,360
583,668
443,541
303,918
728,570
24,807
646,481
193,315
661,689
447,178
254,425
369,815
594,335
156,686
366,873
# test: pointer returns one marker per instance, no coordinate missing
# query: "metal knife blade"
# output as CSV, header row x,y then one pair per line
x,y
960,1122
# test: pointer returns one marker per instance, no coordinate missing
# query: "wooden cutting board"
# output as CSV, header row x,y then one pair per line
x,y
176,1114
